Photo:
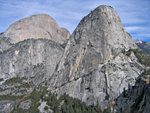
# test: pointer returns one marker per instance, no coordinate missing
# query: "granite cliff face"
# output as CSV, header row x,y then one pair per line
x,y
5,43
26,55
95,66
135,99
33,60
36,26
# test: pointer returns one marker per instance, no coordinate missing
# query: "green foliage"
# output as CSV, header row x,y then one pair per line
x,y
8,97
146,72
128,53
23,85
35,97
46,108
66,104
14,80
20,84
108,110
107,97
143,57
52,101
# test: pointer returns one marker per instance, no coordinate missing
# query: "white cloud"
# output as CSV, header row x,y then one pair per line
x,y
144,35
132,28
136,28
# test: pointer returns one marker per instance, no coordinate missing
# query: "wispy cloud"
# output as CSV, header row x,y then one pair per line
x,y
139,29
132,28
135,15
145,35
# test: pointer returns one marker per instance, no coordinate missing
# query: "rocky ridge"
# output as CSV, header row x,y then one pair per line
x,y
36,26
145,46
93,60
96,65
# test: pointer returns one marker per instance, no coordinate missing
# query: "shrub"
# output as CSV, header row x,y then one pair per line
x,y
143,57
46,108
14,80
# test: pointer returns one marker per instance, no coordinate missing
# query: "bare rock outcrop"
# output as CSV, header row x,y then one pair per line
x,y
94,68
30,61
5,43
65,33
134,100
36,26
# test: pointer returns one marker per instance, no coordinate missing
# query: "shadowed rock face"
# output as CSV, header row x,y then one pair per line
x,y
135,100
36,26
93,67
145,46
21,59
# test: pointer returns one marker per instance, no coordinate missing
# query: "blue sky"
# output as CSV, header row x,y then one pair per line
x,y
135,14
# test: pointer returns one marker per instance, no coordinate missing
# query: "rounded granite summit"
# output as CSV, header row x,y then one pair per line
x,y
93,67
36,26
